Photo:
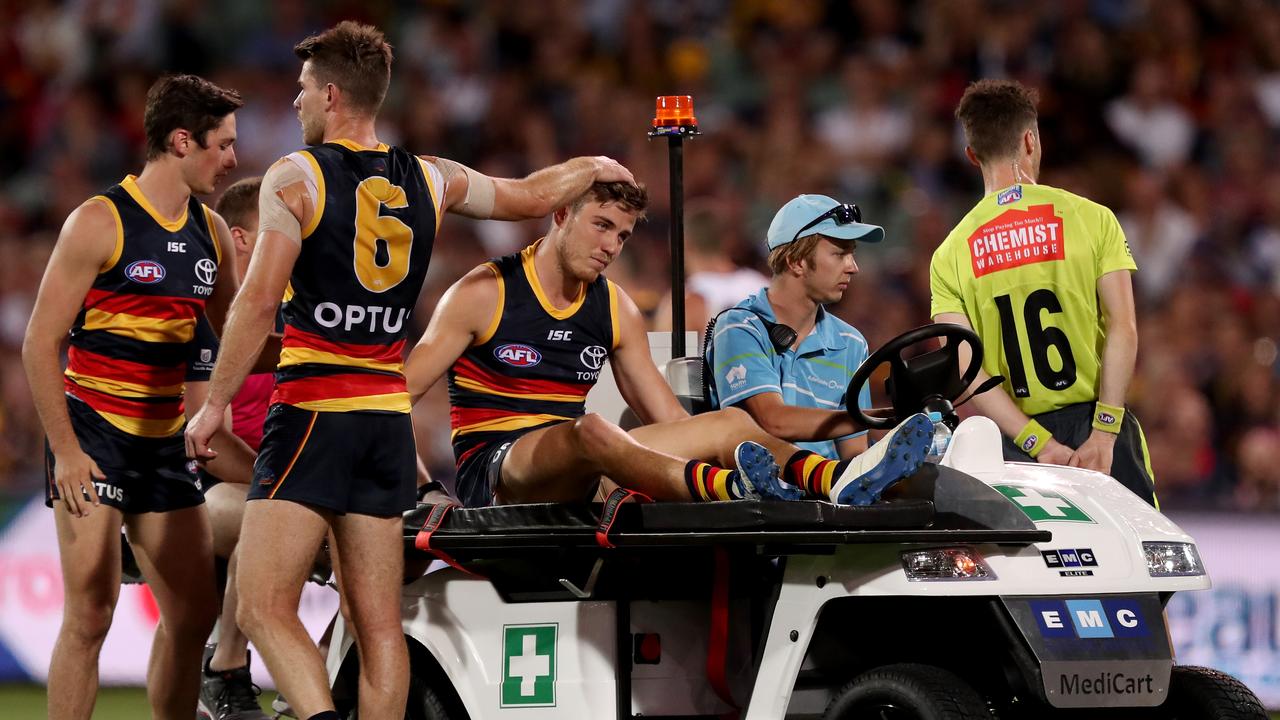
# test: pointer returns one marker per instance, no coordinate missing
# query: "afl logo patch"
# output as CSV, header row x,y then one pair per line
x,y
1030,443
1012,195
517,355
145,272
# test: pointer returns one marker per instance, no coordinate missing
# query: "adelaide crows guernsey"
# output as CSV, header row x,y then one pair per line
x,y
130,342
357,277
535,363
1023,266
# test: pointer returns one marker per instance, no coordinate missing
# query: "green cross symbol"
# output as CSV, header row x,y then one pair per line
x,y
529,665
1043,506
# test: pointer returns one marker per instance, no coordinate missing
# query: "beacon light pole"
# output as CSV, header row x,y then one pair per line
x,y
673,119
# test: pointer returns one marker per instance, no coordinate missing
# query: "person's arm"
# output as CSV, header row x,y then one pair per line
x,y
852,447
641,385
1119,355
467,314
228,282
285,206
234,463
85,246
799,424
479,196
999,406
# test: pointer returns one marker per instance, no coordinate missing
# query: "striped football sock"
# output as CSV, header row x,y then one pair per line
x,y
708,482
813,473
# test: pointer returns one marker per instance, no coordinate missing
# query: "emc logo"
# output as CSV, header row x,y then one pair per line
x,y
1112,618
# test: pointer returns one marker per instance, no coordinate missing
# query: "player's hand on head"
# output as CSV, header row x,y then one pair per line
x,y
73,475
610,170
200,431
1054,453
1096,452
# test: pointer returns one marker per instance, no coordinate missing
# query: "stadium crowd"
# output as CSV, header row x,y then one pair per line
x,y
1166,112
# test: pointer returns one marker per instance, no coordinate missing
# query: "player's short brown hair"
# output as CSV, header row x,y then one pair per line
x,y
631,197
239,202
995,114
354,57
184,102
802,250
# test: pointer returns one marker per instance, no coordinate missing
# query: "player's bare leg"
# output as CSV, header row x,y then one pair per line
x,y
175,553
270,585
562,463
370,588
89,549
712,437
226,503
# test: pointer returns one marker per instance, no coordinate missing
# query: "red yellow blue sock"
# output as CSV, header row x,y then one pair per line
x,y
708,482
813,473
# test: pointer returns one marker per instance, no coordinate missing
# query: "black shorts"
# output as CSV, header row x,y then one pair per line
x,y
143,474
1072,425
481,471
347,462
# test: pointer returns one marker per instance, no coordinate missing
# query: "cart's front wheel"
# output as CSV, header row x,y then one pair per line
x,y
907,692
1200,693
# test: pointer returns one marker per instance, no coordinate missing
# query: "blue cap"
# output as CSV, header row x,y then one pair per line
x,y
803,209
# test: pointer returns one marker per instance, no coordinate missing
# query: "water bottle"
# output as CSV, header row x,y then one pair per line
x,y
941,438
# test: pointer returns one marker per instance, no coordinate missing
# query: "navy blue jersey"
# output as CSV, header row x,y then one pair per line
x,y
534,364
130,341
364,257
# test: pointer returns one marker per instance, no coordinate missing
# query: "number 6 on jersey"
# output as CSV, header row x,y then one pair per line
x,y
383,243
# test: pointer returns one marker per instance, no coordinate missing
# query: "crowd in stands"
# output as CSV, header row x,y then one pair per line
x,y
1166,111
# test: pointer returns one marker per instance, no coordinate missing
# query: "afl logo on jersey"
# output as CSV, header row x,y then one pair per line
x,y
1012,195
517,355
146,272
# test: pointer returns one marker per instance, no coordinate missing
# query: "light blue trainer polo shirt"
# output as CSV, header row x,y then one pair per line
x,y
815,375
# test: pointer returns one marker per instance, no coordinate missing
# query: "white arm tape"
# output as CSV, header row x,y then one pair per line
x,y
273,213
480,194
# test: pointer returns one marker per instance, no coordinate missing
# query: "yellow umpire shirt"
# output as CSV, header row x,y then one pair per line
x,y
1023,266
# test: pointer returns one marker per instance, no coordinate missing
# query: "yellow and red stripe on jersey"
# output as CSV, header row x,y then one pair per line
x,y
469,375
123,378
299,347
148,318
475,420
344,392
154,418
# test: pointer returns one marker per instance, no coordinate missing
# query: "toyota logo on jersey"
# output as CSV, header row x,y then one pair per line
x,y
517,355
146,272
593,356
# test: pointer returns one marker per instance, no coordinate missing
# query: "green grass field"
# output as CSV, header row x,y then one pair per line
x,y
27,702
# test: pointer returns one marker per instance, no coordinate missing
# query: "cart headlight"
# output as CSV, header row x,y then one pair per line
x,y
956,563
1167,559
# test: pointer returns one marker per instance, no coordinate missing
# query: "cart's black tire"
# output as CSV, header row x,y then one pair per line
x,y
1201,693
424,703
907,692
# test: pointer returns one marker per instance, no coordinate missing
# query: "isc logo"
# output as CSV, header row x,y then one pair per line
x,y
146,272
518,355
1112,618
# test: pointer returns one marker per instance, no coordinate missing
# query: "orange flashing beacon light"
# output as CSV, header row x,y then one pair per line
x,y
674,111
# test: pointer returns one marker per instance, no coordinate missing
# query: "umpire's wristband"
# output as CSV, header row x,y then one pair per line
x,y
1108,418
1033,438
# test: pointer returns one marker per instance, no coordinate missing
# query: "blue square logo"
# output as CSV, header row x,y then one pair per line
x,y
1070,558
1089,618
1126,618
1051,617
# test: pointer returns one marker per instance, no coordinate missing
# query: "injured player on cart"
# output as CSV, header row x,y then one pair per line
x,y
523,338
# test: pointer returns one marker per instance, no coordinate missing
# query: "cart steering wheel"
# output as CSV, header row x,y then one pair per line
x,y
930,381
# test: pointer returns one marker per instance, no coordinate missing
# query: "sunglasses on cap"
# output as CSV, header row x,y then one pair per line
x,y
843,214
